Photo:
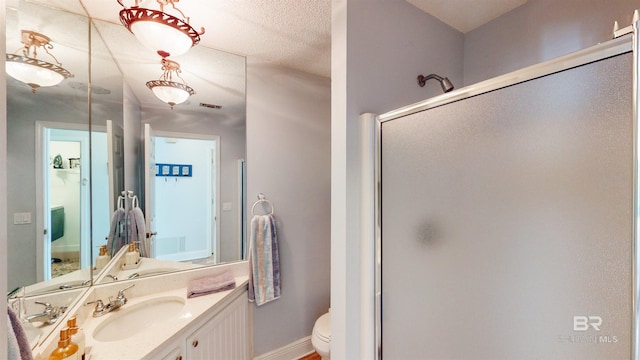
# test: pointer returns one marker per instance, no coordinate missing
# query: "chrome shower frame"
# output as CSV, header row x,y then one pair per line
x,y
620,45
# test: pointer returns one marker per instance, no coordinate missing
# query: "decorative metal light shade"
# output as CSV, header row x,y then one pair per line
x,y
30,70
159,31
166,89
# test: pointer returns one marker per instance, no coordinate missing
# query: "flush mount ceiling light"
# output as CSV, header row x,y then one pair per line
x,y
166,89
159,31
29,69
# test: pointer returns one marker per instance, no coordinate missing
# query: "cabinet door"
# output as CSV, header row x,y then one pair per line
x,y
224,337
175,354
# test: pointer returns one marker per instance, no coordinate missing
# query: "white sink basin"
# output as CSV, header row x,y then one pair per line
x,y
132,319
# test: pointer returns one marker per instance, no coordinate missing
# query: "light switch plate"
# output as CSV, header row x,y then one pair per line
x,y
22,218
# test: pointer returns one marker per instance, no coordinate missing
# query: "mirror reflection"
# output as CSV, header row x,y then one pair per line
x,y
189,184
190,161
48,154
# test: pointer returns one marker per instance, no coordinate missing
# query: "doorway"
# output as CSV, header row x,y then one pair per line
x,y
64,196
185,197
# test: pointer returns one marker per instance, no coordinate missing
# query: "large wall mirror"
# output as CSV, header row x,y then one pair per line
x,y
74,147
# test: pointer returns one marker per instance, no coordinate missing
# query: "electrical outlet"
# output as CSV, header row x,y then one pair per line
x,y
227,206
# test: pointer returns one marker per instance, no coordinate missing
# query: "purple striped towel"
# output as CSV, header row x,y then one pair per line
x,y
212,284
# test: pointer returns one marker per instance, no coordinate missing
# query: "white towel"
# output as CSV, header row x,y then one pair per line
x,y
117,233
138,231
264,262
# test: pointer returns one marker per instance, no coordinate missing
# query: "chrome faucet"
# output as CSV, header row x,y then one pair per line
x,y
102,309
50,314
72,285
114,278
99,309
119,301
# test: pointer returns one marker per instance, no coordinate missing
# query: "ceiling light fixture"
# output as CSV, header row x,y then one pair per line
x,y
166,89
159,31
29,69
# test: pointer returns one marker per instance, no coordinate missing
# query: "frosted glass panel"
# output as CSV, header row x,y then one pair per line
x,y
507,222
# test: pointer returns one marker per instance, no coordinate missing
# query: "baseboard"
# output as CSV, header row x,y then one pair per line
x,y
68,252
292,351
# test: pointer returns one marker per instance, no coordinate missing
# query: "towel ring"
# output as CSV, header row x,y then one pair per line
x,y
121,201
262,199
134,202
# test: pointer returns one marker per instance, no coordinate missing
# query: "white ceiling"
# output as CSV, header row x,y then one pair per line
x,y
466,15
291,33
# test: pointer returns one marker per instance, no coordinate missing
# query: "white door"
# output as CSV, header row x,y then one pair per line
x,y
149,185
185,205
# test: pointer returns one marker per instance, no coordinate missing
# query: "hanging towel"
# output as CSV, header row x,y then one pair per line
x,y
264,263
212,284
138,231
117,234
17,342
13,349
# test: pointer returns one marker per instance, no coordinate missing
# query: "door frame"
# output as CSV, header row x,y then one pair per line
x,y
215,240
43,244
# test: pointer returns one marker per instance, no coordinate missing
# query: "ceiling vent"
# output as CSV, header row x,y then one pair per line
x,y
211,106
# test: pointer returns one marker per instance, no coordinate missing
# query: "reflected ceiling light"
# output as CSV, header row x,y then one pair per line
x,y
159,31
29,69
166,89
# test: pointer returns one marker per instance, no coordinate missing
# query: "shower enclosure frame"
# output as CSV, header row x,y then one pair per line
x,y
371,222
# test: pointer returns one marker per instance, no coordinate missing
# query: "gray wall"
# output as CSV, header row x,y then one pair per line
x,y
24,111
378,50
133,151
389,44
540,30
288,159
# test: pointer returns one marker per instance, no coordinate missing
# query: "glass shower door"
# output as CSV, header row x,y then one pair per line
x,y
507,222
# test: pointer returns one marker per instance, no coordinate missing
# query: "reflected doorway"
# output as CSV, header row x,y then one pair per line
x,y
65,185
64,200
186,191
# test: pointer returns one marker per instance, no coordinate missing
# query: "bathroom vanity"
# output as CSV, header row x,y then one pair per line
x,y
222,334
158,321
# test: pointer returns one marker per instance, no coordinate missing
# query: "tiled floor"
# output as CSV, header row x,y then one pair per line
x,y
64,267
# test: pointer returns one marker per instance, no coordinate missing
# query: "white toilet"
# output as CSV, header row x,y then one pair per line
x,y
321,336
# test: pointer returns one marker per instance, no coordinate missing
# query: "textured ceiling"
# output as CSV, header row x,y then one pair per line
x,y
466,15
291,33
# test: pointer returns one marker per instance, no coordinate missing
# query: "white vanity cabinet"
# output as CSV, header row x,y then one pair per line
x,y
175,354
226,335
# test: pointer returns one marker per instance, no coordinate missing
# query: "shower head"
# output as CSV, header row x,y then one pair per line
x,y
445,83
